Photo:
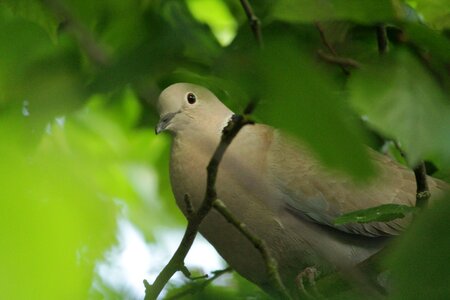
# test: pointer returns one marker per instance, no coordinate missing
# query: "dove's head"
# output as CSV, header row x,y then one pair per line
x,y
188,106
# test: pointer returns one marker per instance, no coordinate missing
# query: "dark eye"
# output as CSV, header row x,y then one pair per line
x,y
191,98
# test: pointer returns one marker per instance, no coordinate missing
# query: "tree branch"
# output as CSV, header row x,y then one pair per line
x,y
201,286
423,191
255,23
333,58
382,39
420,172
344,62
189,206
195,218
324,38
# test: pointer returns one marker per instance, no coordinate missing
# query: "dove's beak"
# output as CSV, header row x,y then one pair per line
x,y
164,121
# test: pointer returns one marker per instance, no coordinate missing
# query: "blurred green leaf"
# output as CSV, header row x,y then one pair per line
x,y
216,14
21,44
434,47
60,199
34,11
400,99
435,12
366,12
298,96
51,228
198,43
382,213
116,25
432,41
166,45
420,264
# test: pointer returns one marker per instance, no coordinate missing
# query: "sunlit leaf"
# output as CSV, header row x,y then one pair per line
x,y
216,14
51,227
382,213
435,12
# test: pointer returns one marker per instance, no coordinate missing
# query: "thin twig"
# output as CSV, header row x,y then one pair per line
x,y
310,274
185,271
341,61
84,37
177,261
189,206
324,38
423,193
382,39
201,286
334,58
255,23
258,243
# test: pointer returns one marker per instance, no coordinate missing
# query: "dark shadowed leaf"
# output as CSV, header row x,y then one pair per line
x,y
368,11
420,262
430,40
34,11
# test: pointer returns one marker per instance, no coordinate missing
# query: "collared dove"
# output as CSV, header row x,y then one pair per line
x,y
274,185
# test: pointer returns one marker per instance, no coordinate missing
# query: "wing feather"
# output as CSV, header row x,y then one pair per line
x,y
323,195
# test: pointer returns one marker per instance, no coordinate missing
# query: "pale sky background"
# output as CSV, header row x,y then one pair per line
x,y
132,260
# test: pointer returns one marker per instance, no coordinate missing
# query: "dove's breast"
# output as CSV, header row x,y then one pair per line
x,y
240,186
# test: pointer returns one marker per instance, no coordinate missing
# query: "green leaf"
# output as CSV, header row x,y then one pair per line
x,y
434,46
420,263
401,99
33,10
50,225
297,95
430,40
301,98
216,14
116,25
382,213
199,43
17,38
366,12
436,13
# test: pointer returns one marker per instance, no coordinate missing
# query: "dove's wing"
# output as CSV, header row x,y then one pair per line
x,y
324,195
